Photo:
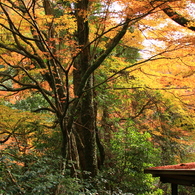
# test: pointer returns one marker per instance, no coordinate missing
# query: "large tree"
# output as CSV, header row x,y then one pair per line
x,y
54,48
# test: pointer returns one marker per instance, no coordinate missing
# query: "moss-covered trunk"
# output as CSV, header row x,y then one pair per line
x,y
85,123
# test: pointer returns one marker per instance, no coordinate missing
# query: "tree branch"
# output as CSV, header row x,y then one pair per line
x,y
41,109
173,15
6,139
109,49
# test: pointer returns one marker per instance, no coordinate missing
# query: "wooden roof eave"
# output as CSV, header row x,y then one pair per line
x,y
174,176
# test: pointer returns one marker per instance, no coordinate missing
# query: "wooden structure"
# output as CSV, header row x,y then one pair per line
x,y
181,174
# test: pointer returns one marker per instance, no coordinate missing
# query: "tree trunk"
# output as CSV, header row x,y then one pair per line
x,y
86,134
85,123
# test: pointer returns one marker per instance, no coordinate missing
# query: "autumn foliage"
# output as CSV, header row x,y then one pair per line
x,y
91,76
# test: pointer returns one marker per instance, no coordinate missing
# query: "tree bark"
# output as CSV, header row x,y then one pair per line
x,y
84,126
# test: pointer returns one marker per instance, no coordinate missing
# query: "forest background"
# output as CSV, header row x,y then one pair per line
x,y
92,93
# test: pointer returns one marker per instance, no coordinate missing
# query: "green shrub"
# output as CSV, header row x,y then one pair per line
x,y
132,152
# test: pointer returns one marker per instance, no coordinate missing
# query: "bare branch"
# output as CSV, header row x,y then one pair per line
x,y
46,109
6,139
173,15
